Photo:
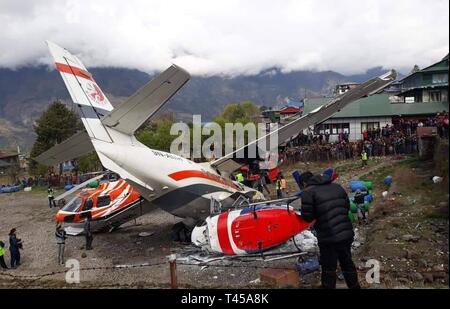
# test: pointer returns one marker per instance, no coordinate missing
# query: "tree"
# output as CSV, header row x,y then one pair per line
x,y
88,163
156,134
55,125
245,112
415,69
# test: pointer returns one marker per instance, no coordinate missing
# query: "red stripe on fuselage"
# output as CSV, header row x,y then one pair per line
x,y
65,68
222,234
201,174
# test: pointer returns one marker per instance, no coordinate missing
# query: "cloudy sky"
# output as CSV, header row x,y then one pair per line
x,y
229,36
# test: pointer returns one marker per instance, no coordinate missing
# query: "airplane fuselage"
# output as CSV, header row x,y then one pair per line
x,y
171,182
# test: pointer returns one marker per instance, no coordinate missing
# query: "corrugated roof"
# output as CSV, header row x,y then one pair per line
x,y
7,154
379,105
290,110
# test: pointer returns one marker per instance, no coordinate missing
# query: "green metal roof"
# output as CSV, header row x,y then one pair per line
x,y
378,105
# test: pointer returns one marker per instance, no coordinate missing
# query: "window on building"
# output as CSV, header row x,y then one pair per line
x,y
435,96
333,128
322,129
409,99
369,126
441,78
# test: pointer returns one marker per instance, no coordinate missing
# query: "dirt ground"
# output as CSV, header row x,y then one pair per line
x,y
407,232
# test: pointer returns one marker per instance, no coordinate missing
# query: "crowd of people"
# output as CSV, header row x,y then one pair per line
x,y
397,139
51,180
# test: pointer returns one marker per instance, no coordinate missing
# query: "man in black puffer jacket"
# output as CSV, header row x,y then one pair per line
x,y
328,204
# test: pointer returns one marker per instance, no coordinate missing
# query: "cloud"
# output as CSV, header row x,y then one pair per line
x,y
228,37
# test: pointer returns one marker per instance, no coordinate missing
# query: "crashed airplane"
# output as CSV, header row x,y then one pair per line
x,y
164,180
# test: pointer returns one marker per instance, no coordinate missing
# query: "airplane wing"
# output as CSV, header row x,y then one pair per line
x,y
233,160
75,146
132,113
78,187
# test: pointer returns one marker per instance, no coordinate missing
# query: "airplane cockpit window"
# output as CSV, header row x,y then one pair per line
x,y
103,201
73,205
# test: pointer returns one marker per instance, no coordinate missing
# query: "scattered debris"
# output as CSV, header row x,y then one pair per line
x,y
145,234
409,237
285,256
306,241
256,281
437,179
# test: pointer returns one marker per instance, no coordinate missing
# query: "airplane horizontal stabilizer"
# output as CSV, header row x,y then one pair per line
x,y
75,146
142,105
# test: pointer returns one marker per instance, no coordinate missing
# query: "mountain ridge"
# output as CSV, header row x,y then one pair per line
x,y
26,92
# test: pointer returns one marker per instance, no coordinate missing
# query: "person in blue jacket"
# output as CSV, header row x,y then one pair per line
x,y
15,244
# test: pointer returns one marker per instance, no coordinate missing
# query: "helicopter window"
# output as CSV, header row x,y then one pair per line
x,y
88,205
103,201
73,204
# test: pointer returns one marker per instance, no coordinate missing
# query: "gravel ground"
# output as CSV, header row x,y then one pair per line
x,y
29,213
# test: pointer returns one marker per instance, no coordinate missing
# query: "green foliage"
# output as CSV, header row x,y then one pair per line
x,y
156,135
89,163
55,125
243,112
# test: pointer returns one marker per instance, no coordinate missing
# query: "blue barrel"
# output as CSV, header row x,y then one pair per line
x,y
388,180
357,184
10,189
368,198
68,187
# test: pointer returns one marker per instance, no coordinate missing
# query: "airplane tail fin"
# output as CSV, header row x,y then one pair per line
x,y
84,91
108,129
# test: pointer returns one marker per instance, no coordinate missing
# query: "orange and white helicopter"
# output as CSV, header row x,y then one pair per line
x,y
110,200
164,180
